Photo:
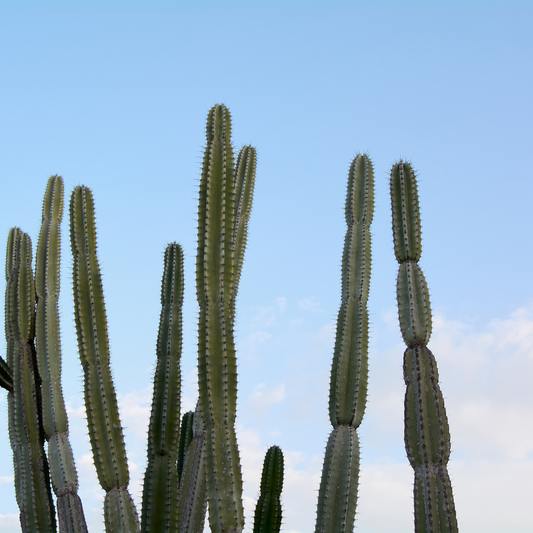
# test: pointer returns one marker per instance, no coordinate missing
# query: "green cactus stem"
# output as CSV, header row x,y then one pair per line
x,y
186,436
161,480
268,509
6,376
32,481
427,435
48,345
193,482
337,498
105,430
217,369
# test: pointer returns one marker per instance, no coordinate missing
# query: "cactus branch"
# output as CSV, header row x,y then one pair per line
x,y
427,435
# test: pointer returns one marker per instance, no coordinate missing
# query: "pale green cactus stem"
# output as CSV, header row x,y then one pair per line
x,y
48,345
193,482
427,435
105,430
161,480
268,509
337,498
32,482
216,289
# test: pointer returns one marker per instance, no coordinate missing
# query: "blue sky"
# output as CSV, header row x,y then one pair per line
x,y
114,95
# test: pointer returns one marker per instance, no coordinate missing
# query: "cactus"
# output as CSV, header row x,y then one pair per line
x,y
337,498
161,480
62,468
427,435
103,420
222,220
268,509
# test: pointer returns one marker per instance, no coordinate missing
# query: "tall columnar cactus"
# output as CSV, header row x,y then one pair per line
x,y
161,480
105,430
268,509
222,219
427,435
337,498
26,433
48,345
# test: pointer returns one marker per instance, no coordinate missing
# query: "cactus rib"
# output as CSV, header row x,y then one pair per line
x,y
427,435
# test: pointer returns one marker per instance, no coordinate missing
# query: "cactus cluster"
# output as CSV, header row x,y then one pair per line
x,y
193,460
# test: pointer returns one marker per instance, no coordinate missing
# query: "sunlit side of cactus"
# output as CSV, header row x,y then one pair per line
x,y
427,435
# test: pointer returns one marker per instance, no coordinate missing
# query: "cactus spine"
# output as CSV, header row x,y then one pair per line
x,y
337,498
103,420
24,404
161,480
427,435
62,468
222,219
268,508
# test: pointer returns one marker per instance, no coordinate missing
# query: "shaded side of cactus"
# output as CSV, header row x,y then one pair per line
x,y
6,376
186,436
337,499
217,368
161,480
32,481
268,513
105,430
427,435
48,345
193,479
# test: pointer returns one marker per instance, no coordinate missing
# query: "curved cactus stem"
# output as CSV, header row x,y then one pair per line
x,y
6,376
268,509
105,430
427,435
217,368
193,482
337,499
32,481
161,481
48,345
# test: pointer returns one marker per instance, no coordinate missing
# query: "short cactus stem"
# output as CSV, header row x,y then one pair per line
x,y
427,435
337,498
268,509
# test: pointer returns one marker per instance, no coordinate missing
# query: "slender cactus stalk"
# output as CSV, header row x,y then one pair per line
x,y
161,480
268,509
47,339
32,481
105,430
186,436
337,498
222,218
427,435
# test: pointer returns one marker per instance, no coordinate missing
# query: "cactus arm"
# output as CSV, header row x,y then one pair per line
x,y
32,481
6,376
337,499
427,435
244,190
103,420
268,509
193,482
217,374
161,482
48,345
186,436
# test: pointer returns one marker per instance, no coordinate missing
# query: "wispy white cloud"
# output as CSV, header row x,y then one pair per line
x,y
263,397
310,304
